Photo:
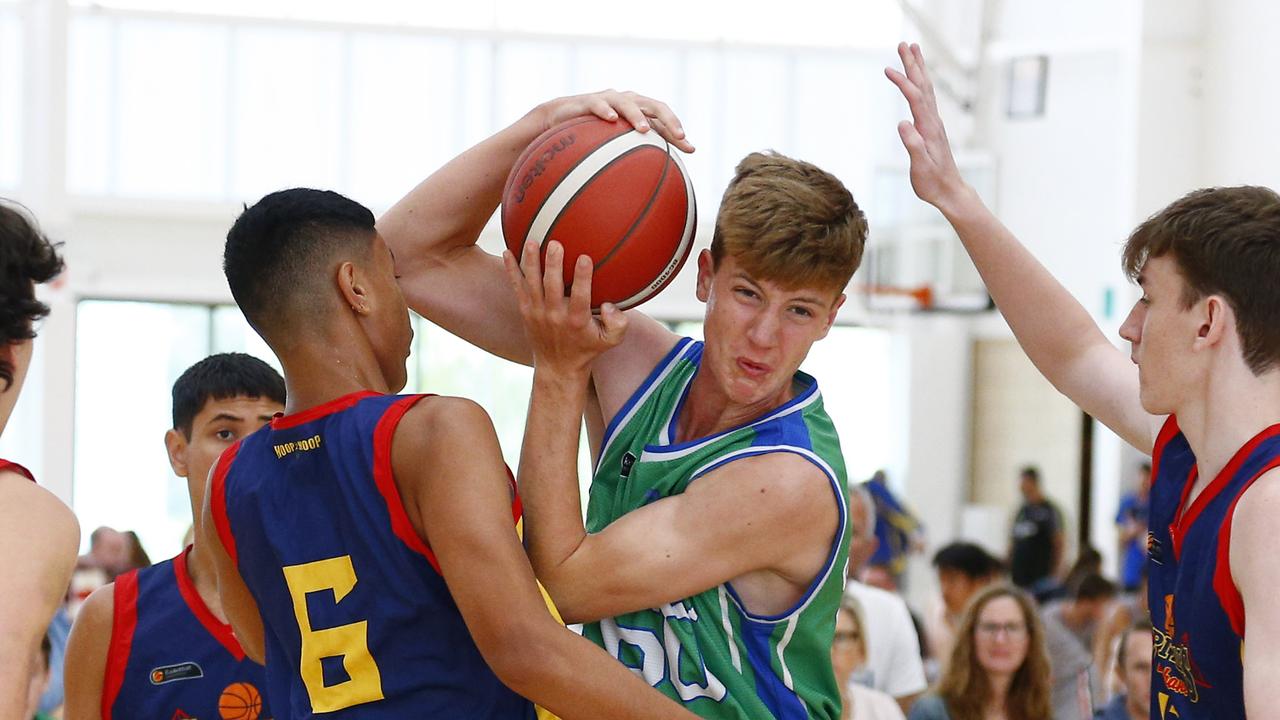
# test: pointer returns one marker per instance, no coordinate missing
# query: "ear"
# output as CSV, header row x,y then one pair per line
x,y
176,443
831,315
1216,321
354,290
706,270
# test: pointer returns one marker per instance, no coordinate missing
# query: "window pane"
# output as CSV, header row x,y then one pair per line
x,y
655,72
529,73
128,355
404,97
91,105
11,46
287,110
172,94
231,333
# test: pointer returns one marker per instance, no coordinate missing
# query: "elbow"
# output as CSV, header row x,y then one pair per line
x,y
523,658
571,603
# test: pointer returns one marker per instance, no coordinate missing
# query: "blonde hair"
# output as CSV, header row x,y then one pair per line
x,y
790,222
964,686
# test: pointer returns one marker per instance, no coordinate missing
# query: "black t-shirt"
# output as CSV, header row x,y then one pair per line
x,y
1033,531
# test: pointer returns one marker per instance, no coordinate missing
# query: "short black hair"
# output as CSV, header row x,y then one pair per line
x,y
27,258
276,246
221,377
969,559
1030,472
1093,587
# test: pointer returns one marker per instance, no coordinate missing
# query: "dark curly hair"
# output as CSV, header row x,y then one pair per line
x,y
27,258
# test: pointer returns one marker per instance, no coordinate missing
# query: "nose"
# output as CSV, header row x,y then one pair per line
x,y
763,331
1131,329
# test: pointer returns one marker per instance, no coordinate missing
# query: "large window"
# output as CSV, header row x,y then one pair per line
x,y
11,48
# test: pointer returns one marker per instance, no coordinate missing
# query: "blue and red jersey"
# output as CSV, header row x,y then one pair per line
x,y
359,622
1196,610
171,658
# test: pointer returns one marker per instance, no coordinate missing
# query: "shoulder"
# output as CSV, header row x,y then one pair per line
x,y
48,527
929,707
788,481
444,418
1252,521
98,610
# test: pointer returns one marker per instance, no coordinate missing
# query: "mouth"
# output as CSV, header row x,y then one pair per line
x,y
752,369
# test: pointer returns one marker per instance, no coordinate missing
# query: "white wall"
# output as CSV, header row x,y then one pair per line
x,y
1241,105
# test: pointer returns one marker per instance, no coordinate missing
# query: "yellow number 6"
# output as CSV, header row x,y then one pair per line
x,y
350,642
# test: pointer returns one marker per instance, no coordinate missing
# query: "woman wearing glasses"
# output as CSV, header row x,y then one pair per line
x,y
998,669
849,660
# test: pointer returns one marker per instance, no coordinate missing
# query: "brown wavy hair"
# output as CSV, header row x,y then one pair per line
x,y
964,686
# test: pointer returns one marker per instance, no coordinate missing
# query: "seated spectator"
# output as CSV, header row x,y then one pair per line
x,y
1133,672
998,667
1128,610
138,557
1069,627
963,569
108,551
848,658
1089,604
894,665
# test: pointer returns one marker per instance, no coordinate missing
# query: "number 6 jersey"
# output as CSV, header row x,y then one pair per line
x,y
358,620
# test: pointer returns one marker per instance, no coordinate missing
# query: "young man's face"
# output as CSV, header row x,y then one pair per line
x,y
218,425
756,332
1162,332
1136,672
390,330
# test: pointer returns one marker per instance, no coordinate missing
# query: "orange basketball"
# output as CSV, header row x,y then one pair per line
x,y
604,190
240,701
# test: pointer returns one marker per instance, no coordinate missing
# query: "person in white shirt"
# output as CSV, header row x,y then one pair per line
x,y
893,664
848,656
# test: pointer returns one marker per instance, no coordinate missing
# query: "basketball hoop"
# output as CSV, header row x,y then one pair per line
x,y
909,298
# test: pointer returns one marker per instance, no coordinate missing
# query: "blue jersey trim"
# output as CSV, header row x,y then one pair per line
x,y
782,701
835,543
669,359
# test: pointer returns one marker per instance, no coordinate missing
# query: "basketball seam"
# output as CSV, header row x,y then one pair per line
x,y
511,176
682,251
653,197
585,155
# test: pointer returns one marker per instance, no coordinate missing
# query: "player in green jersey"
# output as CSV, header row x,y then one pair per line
x,y
721,592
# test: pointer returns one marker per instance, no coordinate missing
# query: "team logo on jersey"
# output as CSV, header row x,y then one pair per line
x,y
180,714
1174,668
173,673
628,462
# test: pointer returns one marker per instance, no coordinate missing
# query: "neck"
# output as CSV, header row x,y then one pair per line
x,y
709,410
1236,405
200,568
320,368
999,683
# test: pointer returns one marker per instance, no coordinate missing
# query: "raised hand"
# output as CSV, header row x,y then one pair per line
x,y
934,175
642,112
563,332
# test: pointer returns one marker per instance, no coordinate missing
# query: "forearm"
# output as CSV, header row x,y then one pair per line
x,y
1052,327
448,210
549,472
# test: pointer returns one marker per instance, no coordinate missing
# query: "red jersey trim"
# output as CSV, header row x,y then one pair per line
x,y
384,478
218,501
218,629
1182,523
346,402
15,467
517,508
1224,585
124,621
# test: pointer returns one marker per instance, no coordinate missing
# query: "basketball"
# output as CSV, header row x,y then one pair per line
x,y
604,190
240,701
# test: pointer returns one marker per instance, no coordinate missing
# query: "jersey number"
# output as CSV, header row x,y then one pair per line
x,y
660,659
350,642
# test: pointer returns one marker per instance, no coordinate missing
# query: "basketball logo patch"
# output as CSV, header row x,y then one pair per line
x,y
240,701
173,673
628,462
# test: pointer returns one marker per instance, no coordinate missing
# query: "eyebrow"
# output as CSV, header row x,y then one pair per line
x,y
226,416
801,299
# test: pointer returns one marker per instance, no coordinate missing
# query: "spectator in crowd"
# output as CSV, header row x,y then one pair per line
x,y
138,557
1133,673
894,665
1069,628
1037,539
1131,608
898,531
998,667
52,699
849,658
108,551
963,569
1088,562
1131,526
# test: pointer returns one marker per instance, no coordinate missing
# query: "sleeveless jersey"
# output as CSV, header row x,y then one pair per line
x,y
8,466
1196,611
708,650
170,657
359,622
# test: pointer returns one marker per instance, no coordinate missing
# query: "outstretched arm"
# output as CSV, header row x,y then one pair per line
x,y
38,539
460,503
433,230
1055,331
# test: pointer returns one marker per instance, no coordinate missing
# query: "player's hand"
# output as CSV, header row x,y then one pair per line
x,y
642,112
565,334
934,175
